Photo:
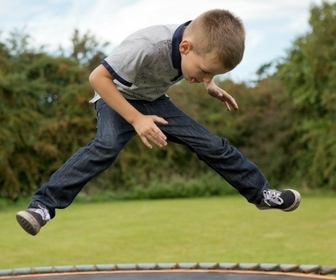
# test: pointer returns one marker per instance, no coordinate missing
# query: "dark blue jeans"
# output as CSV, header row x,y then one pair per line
x,y
113,134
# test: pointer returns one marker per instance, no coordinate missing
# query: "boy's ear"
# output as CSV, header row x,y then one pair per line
x,y
185,47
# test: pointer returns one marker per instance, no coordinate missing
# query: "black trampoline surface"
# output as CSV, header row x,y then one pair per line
x,y
174,271
170,275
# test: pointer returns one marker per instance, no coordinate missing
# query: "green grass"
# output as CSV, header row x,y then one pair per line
x,y
225,229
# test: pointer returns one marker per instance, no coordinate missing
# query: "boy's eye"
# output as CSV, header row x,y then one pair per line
x,y
204,71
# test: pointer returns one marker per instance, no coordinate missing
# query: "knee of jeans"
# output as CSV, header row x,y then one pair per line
x,y
218,148
109,145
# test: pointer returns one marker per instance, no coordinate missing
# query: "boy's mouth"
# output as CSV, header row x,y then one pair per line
x,y
193,80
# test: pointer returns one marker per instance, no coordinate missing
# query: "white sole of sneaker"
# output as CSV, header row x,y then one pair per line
x,y
296,202
28,222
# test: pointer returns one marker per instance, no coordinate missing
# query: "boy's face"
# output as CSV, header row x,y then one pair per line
x,y
196,68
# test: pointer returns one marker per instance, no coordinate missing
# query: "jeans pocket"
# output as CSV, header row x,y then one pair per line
x,y
99,104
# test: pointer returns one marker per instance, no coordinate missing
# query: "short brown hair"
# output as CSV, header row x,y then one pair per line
x,y
220,32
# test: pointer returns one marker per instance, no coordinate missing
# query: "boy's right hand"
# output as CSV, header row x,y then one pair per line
x,y
147,130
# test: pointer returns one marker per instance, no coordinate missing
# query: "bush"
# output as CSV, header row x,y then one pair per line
x,y
207,184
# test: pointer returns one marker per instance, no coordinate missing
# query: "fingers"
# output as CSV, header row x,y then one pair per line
x,y
157,140
229,102
157,137
158,119
150,132
232,103
227,106
144,140
223,96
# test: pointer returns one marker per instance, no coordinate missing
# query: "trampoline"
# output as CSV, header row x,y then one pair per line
x,y
186,271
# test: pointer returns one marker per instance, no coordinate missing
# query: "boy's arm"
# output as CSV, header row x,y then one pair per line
x,y
222,95
102,82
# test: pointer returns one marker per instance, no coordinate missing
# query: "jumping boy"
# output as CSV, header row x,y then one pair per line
x,y
130,98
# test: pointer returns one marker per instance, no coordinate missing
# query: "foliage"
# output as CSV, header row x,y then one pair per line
x,y
263,129
173,186
87,50
309,73
285,123
39,124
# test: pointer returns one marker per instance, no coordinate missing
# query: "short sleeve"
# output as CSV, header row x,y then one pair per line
x,y
127,59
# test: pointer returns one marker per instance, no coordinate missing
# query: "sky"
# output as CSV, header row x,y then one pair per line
x,y
271,25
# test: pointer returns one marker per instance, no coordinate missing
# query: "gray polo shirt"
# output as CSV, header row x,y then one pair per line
x,y
146,63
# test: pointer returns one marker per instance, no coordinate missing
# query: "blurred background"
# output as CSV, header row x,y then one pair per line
x,y
285,88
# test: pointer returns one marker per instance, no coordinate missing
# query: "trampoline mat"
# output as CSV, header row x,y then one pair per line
x,y
211,275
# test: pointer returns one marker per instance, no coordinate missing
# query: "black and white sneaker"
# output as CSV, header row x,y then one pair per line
x,y
285,200
32,219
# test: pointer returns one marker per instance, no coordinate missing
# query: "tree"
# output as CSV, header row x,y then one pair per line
x,y
309,74
44,114
87,50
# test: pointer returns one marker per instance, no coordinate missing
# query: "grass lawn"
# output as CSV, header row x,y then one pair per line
x,y
224,229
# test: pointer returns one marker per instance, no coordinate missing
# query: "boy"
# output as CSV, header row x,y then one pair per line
x,y
130,87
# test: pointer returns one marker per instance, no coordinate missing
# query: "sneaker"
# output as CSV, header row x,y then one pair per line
x,y
285,200
32,219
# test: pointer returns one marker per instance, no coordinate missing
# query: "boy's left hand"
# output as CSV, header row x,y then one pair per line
x,y
222,95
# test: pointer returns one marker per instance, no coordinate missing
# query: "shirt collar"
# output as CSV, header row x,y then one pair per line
x,y
177,38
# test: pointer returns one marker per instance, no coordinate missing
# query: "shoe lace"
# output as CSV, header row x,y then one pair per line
x,y
272,196
43,212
